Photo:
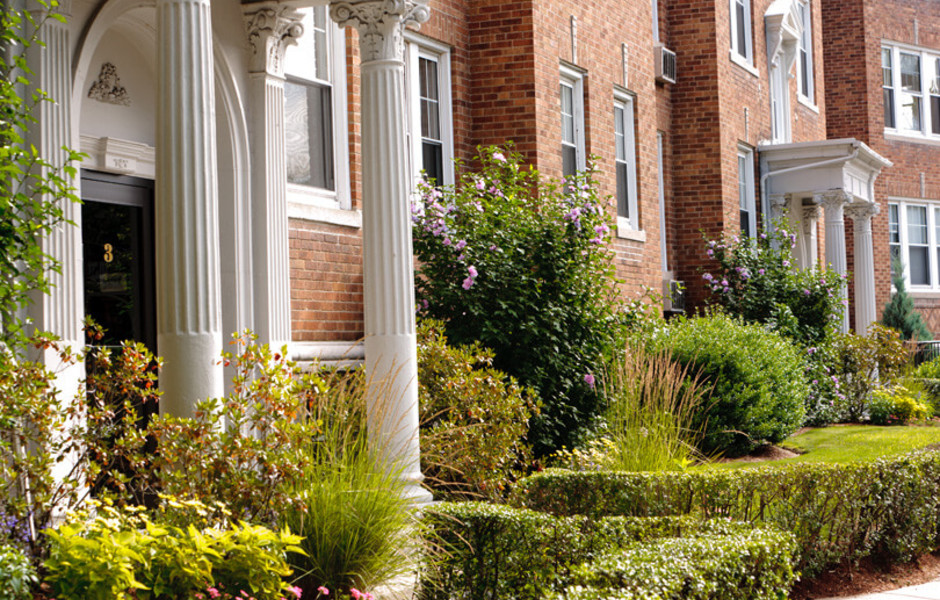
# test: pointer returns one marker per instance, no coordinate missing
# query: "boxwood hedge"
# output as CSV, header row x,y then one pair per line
x,y
493,552
889,509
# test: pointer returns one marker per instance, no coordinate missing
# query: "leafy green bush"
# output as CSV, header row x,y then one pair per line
x,y
758,389
522,265
758,280
896,406
489,551
861,363
125,554
888,509
473,418
17,576
753,565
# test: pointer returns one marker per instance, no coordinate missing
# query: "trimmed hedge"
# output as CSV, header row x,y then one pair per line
x,y
889,509
492,551
756,565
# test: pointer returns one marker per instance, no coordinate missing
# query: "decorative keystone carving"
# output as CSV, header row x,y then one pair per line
x,y
107,88
270,31
380,24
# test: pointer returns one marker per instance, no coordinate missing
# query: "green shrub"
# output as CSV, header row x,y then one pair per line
x,y
473,418
650,414
125,554
490,551
17,576
522,265
888,509
756,565
758,391
861,363
758,281
899,312
896,406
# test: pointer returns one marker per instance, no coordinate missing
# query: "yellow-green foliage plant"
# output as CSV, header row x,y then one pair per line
x,y
898,405
652,404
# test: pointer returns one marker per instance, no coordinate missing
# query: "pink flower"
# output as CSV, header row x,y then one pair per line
x,y
322,589
498,156
472,271
467,283
589,379
481,185
356,594
295,590
213,593
461,244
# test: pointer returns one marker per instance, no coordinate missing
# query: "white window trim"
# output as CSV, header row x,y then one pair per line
x,y
418,46
750,199
809,98
926,74
747,60
660,180
933,241
574,77
317,204
627,102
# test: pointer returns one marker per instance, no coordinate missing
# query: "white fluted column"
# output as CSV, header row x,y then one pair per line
x,y
866,310
189,314
61,310
390,344
808,238
833,203
271,28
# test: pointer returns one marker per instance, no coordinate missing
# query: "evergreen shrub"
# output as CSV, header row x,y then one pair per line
x,y
889,509
899,313
756,377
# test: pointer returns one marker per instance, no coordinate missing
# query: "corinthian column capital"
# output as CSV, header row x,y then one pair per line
x,y
380,24
858,211
271,29
832,199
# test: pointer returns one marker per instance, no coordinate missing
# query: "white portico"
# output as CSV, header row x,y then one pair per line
x,y
839,176
189,96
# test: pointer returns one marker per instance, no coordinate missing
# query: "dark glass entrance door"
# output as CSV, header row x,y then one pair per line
x,y
118,249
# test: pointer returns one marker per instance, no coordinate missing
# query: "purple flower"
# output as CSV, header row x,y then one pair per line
x,y
807,292
493,248
498,156
467,283
481,185
589,379
601,229
707,277
460,245
472,271
710,252
811,350
447,241
786,263
760,271
724,282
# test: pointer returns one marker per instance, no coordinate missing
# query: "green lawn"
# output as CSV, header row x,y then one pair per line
x,y
851,443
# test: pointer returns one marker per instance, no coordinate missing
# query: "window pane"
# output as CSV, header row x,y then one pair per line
x,y
894,226
619,139
567,114
910,73
432,155
569,160
740,23
889,108
916,224
910,112
308,123
919,265
887,78
309,58
623,190
745,224
742,182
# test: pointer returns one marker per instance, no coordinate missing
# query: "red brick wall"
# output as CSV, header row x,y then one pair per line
x,y
854,34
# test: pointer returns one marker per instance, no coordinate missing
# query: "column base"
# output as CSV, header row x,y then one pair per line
x,y
192,371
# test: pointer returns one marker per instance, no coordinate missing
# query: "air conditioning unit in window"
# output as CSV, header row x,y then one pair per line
x,y
673,296
665,64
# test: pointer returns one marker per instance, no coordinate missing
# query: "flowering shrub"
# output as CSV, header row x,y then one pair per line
x,y
521,265
473,418
897,406
759,281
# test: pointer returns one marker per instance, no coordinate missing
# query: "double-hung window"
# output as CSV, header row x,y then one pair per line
x,y
914,239
573,158
804,64
911,91
315,114
746,202
625,163
427,74
741,48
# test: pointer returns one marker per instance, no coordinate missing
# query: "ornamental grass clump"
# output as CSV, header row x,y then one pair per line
x,y
653,403
521,264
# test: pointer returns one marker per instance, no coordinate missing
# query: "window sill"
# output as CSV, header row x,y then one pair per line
x,y
322,214
805,101
743,63
910,137
626,232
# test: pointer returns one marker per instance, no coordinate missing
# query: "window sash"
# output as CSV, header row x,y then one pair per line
x,y
571,103
805,63
914,239
746,200
740,24
625,161
911,91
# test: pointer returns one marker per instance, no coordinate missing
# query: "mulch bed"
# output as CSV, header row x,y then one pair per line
x,y
868,578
